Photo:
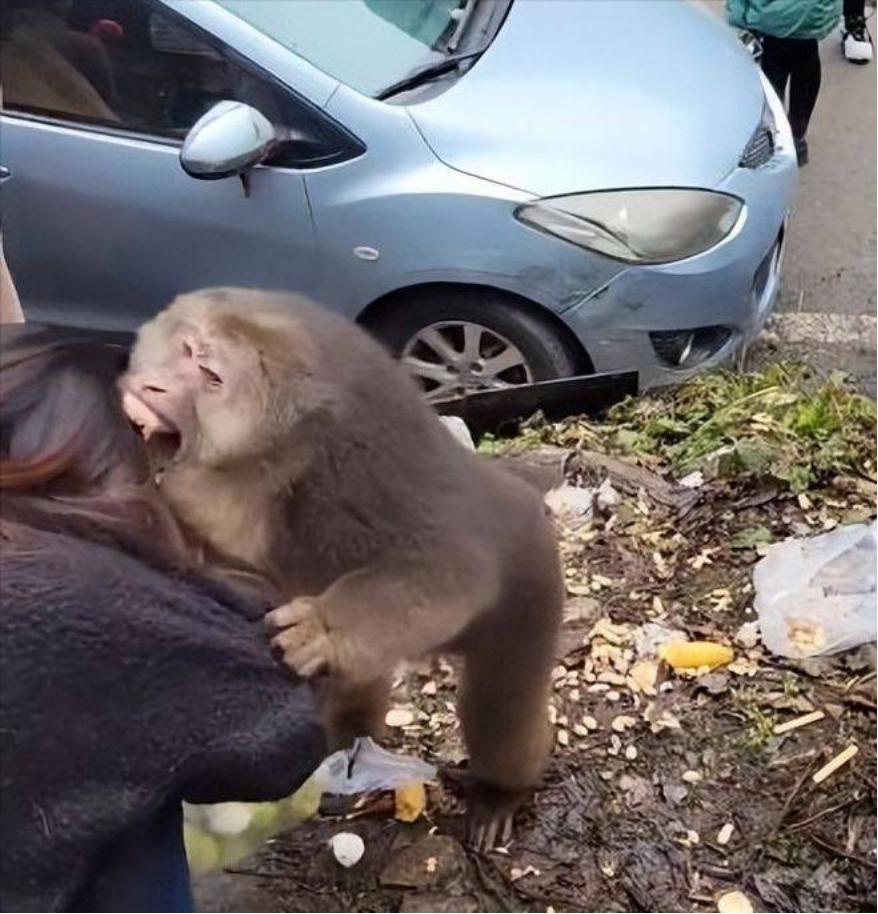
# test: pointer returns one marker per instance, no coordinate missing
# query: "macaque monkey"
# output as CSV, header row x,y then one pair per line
x,y
286,437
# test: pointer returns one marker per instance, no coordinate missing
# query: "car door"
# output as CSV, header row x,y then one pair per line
x,y
101,225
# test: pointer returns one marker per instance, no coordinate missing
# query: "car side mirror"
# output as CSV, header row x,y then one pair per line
x,y
226,141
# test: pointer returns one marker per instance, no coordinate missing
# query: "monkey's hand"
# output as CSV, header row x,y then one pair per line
x,y
302,638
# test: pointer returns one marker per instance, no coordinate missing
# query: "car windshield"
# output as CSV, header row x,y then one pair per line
x,y
367,44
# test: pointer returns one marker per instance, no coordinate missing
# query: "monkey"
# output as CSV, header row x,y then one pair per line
x,y
288,438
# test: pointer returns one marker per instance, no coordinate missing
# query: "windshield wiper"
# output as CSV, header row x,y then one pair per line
x,y
428,73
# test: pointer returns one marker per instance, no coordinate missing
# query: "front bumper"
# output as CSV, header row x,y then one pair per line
x,y
734,286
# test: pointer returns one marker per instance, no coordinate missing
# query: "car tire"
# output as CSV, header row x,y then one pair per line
x,y
546,354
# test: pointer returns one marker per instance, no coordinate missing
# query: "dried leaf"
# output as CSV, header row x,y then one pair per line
x,y
642,677
660,720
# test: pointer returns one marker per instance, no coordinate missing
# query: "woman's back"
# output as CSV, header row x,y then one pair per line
x,y
124,689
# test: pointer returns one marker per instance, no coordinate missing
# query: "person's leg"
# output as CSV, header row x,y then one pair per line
x,y
854,9
775,62
146,871
804,89
856,41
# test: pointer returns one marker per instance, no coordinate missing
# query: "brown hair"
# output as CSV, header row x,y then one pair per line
x,y
68,455
71,462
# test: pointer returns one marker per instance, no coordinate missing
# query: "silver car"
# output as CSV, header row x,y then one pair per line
x,y
503,191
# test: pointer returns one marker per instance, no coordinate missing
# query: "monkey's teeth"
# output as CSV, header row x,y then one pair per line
x,y
147,421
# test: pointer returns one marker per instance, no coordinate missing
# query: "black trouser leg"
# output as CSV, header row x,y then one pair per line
x,y
795,61
804,84
776,63
854,10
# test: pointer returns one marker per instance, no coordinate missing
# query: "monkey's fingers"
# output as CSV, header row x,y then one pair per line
x,y
310,668
484,835
290,614
307,656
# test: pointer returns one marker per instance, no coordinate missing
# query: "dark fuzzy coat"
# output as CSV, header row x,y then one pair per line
x,y
125,688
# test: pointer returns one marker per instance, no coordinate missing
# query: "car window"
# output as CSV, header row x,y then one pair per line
x,y
129,65
367,44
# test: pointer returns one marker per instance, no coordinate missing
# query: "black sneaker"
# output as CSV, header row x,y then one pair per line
x,y
801,150
856,42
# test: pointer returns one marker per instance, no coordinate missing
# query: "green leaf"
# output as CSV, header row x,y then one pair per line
x,y
751,537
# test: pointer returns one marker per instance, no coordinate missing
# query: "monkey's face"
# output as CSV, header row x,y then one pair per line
x,y
206,386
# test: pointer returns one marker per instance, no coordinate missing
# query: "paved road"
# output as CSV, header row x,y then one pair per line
x,y
830,259
830,262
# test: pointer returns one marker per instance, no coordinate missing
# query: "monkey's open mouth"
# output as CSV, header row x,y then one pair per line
x,y
161,434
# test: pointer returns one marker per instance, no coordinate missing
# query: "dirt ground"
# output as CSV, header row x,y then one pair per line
x,y
650,764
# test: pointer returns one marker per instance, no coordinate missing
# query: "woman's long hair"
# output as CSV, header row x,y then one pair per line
x,y
69,458
71,462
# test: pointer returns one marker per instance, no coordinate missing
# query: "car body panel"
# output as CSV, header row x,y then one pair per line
x,y
644,117
102,229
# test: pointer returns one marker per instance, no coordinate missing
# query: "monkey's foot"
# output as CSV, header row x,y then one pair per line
x,y
491,810
302,639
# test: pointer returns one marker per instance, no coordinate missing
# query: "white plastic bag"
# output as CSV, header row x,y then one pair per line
x,y
816,596
459,430
365,766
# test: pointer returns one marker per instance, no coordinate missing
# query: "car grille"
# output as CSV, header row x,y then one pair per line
x,y
759,149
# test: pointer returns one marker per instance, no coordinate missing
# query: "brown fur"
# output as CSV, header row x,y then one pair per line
x,y
317,462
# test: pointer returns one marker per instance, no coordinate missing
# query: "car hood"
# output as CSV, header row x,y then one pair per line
x,y
580,96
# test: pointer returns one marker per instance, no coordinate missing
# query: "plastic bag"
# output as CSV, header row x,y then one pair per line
x,y
459,430
816,596
365,766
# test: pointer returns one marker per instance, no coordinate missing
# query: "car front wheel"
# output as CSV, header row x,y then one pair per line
x,y
473,340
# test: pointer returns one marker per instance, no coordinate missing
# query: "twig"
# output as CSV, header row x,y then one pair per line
x,y
258,874
635,478
789,760
821,813
759,849
489,883
863,861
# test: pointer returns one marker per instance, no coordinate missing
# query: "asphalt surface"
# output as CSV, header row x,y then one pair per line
x,y
830,262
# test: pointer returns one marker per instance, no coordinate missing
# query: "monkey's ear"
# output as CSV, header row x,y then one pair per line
x,y
286,349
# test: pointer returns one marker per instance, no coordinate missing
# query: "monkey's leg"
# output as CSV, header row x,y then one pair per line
x,y
503,707
357,710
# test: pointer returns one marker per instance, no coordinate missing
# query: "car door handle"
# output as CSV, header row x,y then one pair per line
x,y
5,174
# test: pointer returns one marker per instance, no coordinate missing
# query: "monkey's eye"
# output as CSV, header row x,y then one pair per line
x,y
187,350
212,378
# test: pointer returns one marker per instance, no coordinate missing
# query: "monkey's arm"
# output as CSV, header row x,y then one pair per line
x,y
371,619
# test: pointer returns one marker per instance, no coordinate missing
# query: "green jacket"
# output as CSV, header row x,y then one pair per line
x,y
785,18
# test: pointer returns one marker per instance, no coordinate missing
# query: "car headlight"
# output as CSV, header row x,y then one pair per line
x,y
649,225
